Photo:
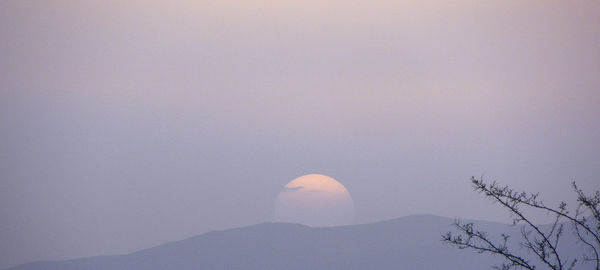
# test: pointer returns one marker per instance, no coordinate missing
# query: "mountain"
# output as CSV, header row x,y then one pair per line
x,y
411,242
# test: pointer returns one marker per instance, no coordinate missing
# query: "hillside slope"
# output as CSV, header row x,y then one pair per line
x,y
411,242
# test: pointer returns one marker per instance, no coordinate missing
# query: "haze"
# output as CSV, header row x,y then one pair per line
x,y
127,124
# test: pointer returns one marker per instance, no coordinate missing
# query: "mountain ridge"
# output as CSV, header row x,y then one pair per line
x,y
410,242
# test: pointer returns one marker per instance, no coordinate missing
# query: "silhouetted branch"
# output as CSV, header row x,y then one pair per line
x,y
478,241
544,245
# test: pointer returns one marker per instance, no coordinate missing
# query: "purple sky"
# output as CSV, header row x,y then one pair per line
x,y
127,124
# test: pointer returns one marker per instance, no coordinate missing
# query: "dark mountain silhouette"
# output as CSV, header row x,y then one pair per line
x,y
411,242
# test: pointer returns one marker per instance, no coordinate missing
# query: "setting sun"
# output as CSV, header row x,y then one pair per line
x,y
315,200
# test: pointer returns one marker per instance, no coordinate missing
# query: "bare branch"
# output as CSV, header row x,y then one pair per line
x,y
485,246
543,243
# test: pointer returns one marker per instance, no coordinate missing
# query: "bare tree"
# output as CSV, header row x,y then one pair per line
x,y
542,243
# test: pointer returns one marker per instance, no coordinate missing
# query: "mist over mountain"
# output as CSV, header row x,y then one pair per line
x,y
128,124
411,242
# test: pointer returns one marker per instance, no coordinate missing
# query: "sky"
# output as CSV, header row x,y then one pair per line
x,y
128,124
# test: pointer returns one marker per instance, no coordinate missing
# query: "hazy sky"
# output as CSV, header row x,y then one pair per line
x,y
127,124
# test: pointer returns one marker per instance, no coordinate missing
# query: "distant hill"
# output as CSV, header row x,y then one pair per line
x,y
411,242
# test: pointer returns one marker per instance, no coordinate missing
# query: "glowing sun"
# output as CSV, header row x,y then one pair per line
x,y
314,200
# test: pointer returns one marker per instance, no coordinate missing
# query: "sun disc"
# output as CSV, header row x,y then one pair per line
x,y
315,200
